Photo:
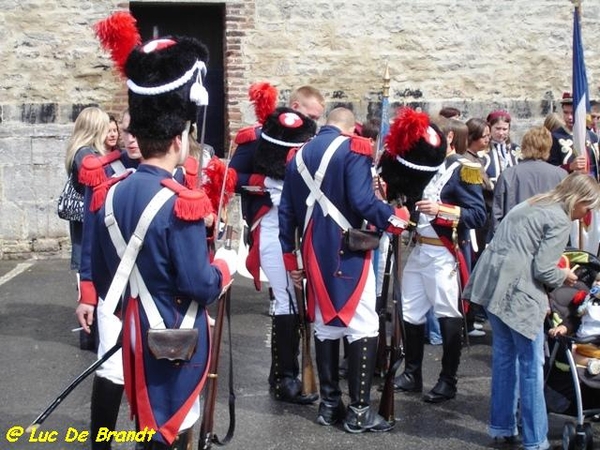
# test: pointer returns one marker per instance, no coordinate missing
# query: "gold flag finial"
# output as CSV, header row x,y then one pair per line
x,y
386,81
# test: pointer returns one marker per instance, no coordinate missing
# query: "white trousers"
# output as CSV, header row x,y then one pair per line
x,y
364,323
271,262
109,327
429,280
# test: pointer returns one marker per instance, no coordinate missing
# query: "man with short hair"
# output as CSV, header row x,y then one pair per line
x,y
259,161
340,278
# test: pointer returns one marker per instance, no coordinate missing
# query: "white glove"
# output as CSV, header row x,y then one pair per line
x,y
274,188
230,258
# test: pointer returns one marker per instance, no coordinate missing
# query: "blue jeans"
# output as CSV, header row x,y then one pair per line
x,y
518,368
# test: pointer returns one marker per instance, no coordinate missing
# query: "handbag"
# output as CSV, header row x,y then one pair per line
x,y
70,202
359,240
173,344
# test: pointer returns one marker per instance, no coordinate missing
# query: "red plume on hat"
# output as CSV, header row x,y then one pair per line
x,y
118,34
219,179
264,97
408,128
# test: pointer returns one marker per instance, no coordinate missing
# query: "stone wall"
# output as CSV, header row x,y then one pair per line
x,y
473,55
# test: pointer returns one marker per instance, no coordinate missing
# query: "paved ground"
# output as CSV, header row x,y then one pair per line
x,y
40,355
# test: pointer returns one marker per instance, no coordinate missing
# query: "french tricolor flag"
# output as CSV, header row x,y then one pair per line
x,y
581,97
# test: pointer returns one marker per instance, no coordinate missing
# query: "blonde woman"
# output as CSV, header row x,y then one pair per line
x,y
89,134
510,282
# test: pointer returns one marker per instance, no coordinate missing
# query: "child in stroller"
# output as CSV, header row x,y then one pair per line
x,y
573,369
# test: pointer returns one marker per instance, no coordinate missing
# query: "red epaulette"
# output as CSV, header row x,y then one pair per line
x,y
190,204
361,145
291,154
100,191
92,171
190,175
246,135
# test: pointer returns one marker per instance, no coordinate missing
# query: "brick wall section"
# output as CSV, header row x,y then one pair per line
x,y
473,55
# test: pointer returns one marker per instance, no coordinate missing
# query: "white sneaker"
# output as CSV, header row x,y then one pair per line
x,y
476,333
593,366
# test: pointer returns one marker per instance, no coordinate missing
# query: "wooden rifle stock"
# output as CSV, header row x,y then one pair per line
x,y
381,364
386,405
309,381
207,436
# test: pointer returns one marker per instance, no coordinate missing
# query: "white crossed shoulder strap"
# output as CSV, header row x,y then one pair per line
x,y
314,185
128,251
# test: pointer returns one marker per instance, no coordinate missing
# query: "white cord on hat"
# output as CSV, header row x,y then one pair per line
x,y
418,167
198,93
278,142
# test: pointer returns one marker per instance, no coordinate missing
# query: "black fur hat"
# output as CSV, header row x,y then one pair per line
x,y
283,130
415,148
165,86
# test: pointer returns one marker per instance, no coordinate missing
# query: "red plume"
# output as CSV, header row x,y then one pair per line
x,y
118,34
264,97
215,173
409,126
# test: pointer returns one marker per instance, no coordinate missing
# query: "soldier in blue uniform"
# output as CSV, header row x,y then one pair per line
x,y
259,161
452,204
174,279
563,154
340,280
107,388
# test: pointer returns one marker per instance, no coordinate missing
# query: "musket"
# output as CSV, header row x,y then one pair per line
x,y
386,405
309,381
57,401
381,364
207,435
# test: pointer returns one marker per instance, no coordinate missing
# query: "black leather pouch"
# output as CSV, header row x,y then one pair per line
x,y
358,240
177,344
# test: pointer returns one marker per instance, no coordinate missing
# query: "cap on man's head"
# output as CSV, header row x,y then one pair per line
x,y
165,86
567,98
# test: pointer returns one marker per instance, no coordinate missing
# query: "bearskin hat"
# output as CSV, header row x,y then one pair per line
x,y
283,130
414,150
165,86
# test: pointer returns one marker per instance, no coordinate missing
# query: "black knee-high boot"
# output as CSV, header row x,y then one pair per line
x,y
361,367
445,388
106,401
411,380
331,408
285,341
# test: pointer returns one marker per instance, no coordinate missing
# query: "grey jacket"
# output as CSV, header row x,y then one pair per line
x,y
512,274
518,183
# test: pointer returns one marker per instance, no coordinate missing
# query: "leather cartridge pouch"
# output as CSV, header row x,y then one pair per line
x,y
359,240
173,344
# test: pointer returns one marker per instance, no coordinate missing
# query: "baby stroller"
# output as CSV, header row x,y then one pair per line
x,y
569,389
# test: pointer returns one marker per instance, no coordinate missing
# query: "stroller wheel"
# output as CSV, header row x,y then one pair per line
x,y
589,436
569,436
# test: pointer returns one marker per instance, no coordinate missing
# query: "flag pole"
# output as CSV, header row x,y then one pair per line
x,y
581,100
384,126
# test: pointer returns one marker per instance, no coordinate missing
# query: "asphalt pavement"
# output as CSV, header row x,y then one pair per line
x,y
40,355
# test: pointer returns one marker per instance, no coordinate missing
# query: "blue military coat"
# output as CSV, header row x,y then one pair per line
x,y
174,263
336,276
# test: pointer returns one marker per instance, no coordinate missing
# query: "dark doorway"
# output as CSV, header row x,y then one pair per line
x,y
205,22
